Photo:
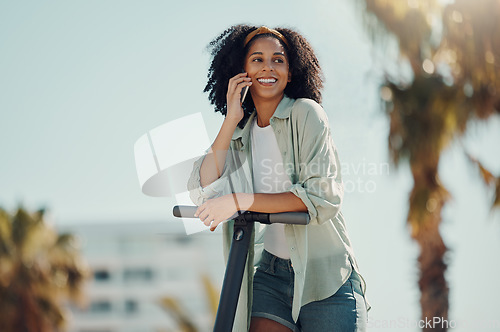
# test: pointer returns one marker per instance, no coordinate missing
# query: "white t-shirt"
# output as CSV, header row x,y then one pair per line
x,y
269,177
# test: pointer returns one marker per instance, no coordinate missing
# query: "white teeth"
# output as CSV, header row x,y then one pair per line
x,y
267,80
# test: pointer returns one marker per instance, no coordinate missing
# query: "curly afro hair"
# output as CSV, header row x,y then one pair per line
x,y
228,52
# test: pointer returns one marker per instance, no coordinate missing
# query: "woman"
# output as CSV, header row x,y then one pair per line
x,y
274,153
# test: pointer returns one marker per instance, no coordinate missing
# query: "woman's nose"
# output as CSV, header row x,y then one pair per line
x,y
268,65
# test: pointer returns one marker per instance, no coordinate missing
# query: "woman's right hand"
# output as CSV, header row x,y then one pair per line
x,y
236,84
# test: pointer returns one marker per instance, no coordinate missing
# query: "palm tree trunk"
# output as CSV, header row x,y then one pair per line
x,y
432,283
426,202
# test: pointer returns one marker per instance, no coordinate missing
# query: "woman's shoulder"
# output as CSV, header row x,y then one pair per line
x,y
309,111
306,103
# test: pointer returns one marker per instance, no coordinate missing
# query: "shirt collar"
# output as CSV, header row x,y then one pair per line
x,y
284,108
282,111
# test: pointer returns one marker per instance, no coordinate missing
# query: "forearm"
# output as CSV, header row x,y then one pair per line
x,y
270,203
213,164
214,211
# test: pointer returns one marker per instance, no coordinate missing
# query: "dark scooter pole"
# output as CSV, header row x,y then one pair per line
x,y
243,226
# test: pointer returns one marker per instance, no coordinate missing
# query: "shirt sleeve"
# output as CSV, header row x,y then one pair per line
x,y
199,194
319,183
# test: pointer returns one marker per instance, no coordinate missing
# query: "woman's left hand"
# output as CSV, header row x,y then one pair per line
x,y
216,210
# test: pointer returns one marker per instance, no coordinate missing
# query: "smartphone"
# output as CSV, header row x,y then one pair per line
x,y
244,90
244,93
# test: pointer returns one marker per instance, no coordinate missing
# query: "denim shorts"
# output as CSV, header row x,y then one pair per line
x,y
273,289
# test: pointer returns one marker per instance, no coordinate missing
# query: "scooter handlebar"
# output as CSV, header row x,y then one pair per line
x,y
295,218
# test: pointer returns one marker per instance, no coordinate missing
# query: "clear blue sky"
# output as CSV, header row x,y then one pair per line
x,y
81,81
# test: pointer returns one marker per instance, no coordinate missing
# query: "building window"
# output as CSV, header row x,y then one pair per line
x,y
102,306
101,275
131,306
138,274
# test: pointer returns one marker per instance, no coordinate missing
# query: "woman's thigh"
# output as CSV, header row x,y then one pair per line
x,y
273,295
344,311
259,324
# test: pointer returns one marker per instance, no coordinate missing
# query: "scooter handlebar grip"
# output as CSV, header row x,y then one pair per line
x,y
294,218
184,211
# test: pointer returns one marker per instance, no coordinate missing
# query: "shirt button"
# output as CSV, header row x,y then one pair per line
x,y
292,248
279,131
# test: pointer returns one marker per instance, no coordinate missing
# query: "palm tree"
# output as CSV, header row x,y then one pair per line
x,y
182,317
39,271
453,53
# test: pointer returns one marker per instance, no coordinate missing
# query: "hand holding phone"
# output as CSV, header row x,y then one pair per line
x,y
236,93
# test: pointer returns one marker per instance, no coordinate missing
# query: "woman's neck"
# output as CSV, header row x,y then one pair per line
x,y
265,109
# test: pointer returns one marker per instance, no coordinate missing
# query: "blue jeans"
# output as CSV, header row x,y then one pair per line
x,y
273,295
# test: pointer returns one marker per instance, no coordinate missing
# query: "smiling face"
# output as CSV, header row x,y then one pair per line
x,y
267,64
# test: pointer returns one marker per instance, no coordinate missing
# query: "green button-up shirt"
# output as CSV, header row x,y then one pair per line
x,y
321,252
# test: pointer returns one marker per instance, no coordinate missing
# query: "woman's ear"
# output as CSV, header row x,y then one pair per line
x,y
289,76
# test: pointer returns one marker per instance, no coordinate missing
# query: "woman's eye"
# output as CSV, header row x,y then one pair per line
x,y
277,60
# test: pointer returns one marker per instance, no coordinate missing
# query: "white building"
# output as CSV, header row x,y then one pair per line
x,y
135,264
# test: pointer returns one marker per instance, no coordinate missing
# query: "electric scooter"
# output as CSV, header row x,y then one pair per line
x,y
243,226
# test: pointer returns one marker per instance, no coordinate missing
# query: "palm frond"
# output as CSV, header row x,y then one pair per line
x,y
496,202
37,273
212,294
486,175
181,316
488,178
